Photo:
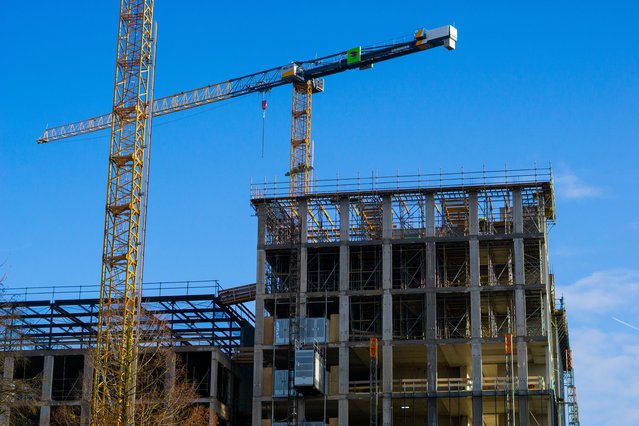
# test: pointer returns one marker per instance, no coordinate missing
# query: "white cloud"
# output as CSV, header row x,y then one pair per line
x,y
603,314
606,376
570,186
603,293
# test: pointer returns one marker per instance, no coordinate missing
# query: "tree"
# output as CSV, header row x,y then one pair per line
x,y
164,395
17,394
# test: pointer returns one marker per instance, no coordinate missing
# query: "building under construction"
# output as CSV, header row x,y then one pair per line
x,y
404,300
48,336
409,300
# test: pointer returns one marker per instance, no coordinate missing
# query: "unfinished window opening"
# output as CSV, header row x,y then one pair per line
x,y
453,316
409,216
408,266
537,377
498,369
533,211
359,369
409,410
323,269
320,307
64,415
366,218
454,368
535,318
198,371
26,368
223,384
365,267
496,265
497,314
281,271
409,317
365,318
495,212
323,220
152,369
451,213
282,223
67,377
452,264
533,262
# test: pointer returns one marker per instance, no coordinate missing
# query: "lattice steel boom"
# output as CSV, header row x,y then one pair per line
x,y
296,72
114,375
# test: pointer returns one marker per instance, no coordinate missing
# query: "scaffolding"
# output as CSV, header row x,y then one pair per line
x,y
365,268
409,266
453,316
453,266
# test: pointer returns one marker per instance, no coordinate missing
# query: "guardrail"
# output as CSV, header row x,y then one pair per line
x,y
445,384
149,289
374,182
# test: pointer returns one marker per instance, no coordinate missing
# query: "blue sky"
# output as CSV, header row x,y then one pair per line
x,y
530,82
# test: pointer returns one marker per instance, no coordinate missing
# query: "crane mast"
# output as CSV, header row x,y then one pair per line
x,y
115,352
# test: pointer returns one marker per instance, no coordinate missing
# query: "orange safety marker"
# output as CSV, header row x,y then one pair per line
x,y
508,343
373,348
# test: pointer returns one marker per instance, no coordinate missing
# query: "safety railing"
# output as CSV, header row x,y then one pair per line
x,y
374,182
89,291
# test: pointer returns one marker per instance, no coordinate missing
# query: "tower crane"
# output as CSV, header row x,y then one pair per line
x,y
130,123
306,78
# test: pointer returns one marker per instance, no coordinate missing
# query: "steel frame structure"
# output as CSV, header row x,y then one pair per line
x,y
195,319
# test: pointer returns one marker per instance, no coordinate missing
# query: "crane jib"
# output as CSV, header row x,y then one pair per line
x,y
360,58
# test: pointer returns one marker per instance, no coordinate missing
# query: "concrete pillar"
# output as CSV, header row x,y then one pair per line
x,y
475,309
7,374
387,311
87,391
302,209
344,312
47,387
214,371
431,311
258,355
520,309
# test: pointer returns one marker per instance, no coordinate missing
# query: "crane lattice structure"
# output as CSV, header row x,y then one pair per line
x,y
130,122
571,391
306,77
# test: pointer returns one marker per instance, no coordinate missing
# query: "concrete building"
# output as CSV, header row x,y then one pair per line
x,y
419,299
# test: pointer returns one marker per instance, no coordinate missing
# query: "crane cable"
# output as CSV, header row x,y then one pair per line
x,y
264,106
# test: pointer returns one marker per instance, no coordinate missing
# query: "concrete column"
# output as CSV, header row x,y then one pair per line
x,y
387,311
87,390
344,312
214,370
47,387
7,374
302,209
520,309
475,308
431,311
258,355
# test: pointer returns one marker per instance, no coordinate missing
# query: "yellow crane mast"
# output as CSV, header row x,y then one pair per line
x,y
115,351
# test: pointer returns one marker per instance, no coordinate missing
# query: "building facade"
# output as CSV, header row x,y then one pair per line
x,y
421,300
